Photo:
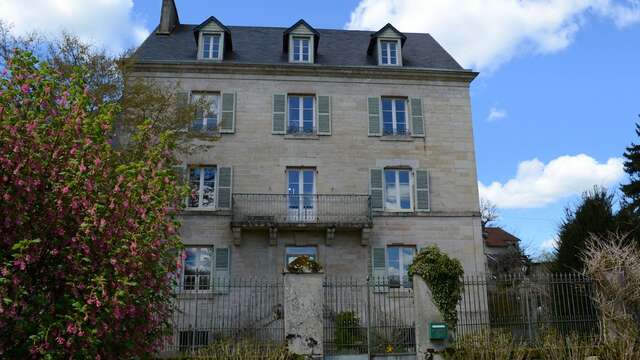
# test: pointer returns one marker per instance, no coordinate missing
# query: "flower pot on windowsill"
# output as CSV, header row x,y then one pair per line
x,y
304,265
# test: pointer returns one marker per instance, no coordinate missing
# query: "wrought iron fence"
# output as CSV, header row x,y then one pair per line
x,y
261,209
528,307
237,309
368,317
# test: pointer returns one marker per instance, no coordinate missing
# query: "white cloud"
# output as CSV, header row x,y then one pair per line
x,y
537,184
483,34
106,23
549,244
496,114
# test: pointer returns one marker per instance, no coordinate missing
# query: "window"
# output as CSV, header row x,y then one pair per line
x,y
398,260
301,189
197,268
193,339
397,190
294,252
389,52
202,182
301,114
207,113
211,48
301,49
394,116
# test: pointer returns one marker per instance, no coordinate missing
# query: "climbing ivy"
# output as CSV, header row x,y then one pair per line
x,y
443,277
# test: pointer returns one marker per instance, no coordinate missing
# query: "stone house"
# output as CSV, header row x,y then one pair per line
x,y
352,147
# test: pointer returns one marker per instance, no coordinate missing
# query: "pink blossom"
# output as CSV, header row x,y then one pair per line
x,y
65,189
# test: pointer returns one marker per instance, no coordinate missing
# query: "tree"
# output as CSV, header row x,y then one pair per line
x,y
592,216
88,236
488,213
631,190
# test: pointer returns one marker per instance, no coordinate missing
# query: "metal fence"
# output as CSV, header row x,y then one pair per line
x,y
368,317
267,209
238,309
528,307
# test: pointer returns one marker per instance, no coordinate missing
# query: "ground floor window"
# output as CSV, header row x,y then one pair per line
x,y
294,252
197,268
398,260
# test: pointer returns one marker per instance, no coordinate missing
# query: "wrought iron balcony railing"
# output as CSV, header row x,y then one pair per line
x,y
311,209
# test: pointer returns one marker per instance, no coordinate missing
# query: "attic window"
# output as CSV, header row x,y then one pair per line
x,y
301,45
211,46
389,53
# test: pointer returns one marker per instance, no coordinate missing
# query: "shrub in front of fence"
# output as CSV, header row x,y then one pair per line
x,y
242,350
349,336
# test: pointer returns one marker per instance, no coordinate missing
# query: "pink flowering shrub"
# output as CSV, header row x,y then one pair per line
x,y
87,238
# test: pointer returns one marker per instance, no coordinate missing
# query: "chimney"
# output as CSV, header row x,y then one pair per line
x,y
168,17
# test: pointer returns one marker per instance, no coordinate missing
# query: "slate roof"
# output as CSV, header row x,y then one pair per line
x,y
263,45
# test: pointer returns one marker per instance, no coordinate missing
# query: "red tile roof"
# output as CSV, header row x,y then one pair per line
x,y
497,237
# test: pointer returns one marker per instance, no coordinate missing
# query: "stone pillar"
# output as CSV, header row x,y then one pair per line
x,y
425,313
303,301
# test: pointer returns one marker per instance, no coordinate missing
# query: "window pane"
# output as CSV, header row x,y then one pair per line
x,y
208,189
194,185
387,122
293,252
294,189
393,260
392,53
206,46
294,113
215,46
386,104
190,261
404,190
385,56
390,189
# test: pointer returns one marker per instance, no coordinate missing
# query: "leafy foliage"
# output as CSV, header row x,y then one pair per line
x,y
88,238
632,168
443,276
593,215
348,333
304,264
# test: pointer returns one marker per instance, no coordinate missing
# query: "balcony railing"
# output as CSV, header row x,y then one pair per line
x,y
297,210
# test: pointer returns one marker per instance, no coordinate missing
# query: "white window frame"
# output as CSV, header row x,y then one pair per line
x,y
313,256
201,187
385,42
394,120
292,54
301,114
204,94
196,286
401,263
220,45
397,179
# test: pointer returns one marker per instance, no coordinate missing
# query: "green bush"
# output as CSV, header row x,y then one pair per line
x,y
348,333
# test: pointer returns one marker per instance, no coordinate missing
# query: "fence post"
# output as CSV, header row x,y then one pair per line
x,y
303,305
425,312
369,288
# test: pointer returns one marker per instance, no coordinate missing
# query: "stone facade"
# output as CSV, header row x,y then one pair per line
x,y
342,160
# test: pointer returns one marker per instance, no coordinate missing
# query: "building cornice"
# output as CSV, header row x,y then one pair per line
x,y
369,72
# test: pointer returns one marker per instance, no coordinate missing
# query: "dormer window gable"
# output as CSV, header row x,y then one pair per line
x,y
300,43
213,39
386,45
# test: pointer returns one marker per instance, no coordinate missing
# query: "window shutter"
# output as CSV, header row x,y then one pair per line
x,y
375,189
423,196
279,112
228,118
417,119
221,272
374,116
324,115
224,185
379,269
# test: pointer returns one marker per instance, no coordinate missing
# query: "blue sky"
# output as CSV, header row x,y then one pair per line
x,y
559,80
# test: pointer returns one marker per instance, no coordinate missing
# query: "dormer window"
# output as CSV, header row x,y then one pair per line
x,y
386,45
211,46
300,51
388,52
213,39
300,43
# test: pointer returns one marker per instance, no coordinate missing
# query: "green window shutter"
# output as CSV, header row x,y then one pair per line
x,y
417,119
279,114
221,270
324,115
223,188
376,189
373,104
423,196
379,269
228,118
